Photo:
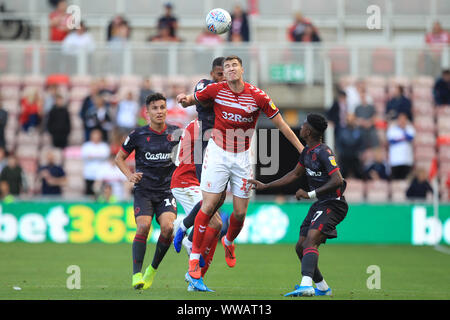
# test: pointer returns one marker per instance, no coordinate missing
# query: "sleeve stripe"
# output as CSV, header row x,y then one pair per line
x,y
332,171
274,114
195,97
125,151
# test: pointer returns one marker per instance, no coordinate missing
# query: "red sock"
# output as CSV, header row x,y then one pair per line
x,y
200,225
234,228
210,235
210,255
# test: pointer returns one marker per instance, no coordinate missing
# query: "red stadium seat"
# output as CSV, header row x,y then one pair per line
x,y
398,190
423,81
424,153
11,106
9,93
424,123
79,93
34,81
131,80
423,107
422,93
81,81
75,107
424,139
355,190
383,61
443,110
340,60
10,80
377,191
443,124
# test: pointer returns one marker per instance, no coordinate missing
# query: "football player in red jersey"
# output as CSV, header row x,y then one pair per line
x,y
237,105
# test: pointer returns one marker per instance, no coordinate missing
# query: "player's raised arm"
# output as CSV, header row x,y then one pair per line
x,y
288,178
186,100
287,132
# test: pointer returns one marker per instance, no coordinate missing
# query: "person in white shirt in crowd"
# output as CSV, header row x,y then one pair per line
x,y
354,93
400,136
95,154
110,174
127,114
78,40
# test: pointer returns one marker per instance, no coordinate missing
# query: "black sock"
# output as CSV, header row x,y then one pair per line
x,y
162,246
317,274
309,262
138,250
190,218
191,236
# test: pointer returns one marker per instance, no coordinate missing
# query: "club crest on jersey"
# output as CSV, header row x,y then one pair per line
x,y
332,161
148,139
200,85
272,105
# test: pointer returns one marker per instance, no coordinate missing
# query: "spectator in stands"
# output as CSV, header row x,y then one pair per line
x,y
87,104
94,153
365,118
441,89
355,93
52,177
12,174
106,195
119,35
59,22
77,41
50,97
98,117
349,146
31,110
6,195
3,122
239,31
437,35
337,114
118,27
419,187
400,135
58,124
3,158
168,20
378,168
145,91
302,30
110,174
164,35
208,38
127,113
399,103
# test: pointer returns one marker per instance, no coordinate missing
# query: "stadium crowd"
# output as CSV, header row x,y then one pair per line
x,y
379,125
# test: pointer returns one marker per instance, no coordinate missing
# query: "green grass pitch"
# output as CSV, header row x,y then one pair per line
x,y
262,272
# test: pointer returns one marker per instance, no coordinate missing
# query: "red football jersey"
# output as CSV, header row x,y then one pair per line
x,y
236,114
184,175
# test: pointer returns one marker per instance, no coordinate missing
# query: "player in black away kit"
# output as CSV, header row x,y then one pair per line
x,y
326,185
153,145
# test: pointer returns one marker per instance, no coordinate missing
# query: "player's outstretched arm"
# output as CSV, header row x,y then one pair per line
x,y
185,100
287,132
121,164
288,178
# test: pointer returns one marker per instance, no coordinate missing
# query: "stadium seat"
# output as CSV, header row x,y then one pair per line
x,y
424,153
73,166
376,81
75,107
377,191
347,80
424,123
424,139
83,81
76,137
423,81
378,93
422,107
34,81
9,92
79,93
383,61
11,106
444,153
422,93
28,139
158,83
443,123
398,190
72,152
131,80
355,190
10,80
340,60
443,110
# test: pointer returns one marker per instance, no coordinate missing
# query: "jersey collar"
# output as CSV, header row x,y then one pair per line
x,y
158,132
310,149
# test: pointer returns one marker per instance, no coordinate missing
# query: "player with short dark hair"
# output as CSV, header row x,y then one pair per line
x,y
318,163
237,106
153,145
187,176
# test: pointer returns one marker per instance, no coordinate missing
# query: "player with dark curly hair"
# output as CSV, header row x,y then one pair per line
x,y
326,185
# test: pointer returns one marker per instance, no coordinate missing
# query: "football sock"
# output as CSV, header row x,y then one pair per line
x,y
210,236
309,262
306,281
209,257
191,236
138,251
317,274
200,225
162,246
322,285
233,229
189,220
